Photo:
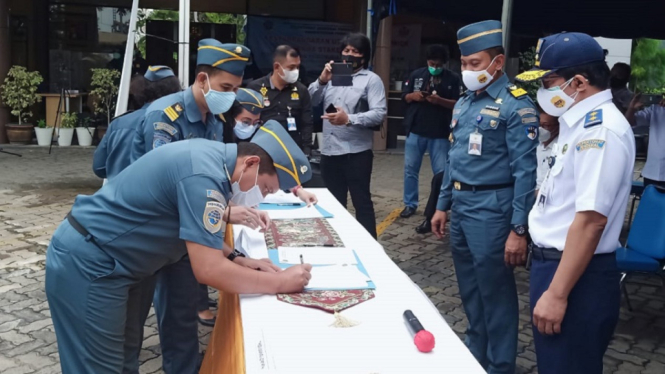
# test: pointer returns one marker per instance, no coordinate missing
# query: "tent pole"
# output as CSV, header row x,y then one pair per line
x,y
183,43
123,90
506,21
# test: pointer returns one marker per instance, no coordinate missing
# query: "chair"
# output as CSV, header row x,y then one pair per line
x,y
645,248
636,191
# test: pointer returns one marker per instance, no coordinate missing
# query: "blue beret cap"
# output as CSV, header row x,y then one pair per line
x,y
479,36
560,51
251,100
159,72
228,57
293,168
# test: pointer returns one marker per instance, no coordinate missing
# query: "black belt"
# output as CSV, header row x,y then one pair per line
x,y
80,229
546,254
459,186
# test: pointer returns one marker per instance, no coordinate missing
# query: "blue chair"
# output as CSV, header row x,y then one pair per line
x,y
636,191
645,248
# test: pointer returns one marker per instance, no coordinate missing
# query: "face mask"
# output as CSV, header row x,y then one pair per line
x,y
476,80
250,198
554,101
434,71
218,102
543,135
617,83
244,131
290,76
356,62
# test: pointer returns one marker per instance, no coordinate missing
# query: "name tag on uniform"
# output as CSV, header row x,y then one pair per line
x,y
291,123
476,144
542,194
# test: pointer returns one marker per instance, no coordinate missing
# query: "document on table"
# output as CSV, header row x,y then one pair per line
x,y
337,277
251,243
298,213
317,255
281,197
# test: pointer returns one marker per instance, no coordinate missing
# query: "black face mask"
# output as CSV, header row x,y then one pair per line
x,y
617,82
356,62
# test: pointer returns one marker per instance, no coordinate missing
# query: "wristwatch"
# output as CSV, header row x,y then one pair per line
x,y
234,254
520,230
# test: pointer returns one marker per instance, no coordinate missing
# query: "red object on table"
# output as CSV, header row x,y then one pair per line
x,y
424,341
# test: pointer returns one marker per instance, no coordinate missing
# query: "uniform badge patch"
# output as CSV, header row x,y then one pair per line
x,y
499,101
215,195
178,108
590,144
530,120
159,141
565,149
212,216
531,132
593,118
489,112
264,91
524,111
161,126
493,123
517,92
295,96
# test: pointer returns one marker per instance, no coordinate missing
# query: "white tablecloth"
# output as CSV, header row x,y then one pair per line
x,y
284,338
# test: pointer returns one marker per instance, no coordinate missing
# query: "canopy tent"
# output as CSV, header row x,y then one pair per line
x,y
622,19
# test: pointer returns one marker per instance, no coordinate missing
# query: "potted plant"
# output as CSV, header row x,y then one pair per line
x,y
84,132
66,131
44,133
19,93
105,89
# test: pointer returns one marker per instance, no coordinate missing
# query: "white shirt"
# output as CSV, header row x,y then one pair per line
x,y
593,171
542,153
654,117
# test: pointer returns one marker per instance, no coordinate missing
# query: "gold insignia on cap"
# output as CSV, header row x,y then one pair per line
x,y
303,169
238,49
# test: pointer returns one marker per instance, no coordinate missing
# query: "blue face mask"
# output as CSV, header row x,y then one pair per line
x,y
244,131
218,102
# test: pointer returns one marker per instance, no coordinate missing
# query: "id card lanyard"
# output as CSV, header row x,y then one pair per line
x,y
291,122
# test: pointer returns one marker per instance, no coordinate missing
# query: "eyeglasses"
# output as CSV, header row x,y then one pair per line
x,y
250,123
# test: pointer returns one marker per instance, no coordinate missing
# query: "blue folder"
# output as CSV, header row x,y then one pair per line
x,y
270,206
274,257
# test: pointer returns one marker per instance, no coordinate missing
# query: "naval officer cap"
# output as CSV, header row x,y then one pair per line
x,y
293,168
479,36
251,100
560,51
228,57
158,72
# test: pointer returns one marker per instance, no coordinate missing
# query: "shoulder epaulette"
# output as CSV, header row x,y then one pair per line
x,y
174,111
516,91
593,118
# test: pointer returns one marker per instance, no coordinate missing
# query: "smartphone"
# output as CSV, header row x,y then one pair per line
x,y
648,100
331,109
341,74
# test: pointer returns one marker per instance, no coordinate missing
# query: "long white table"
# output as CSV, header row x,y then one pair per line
x,y
283,338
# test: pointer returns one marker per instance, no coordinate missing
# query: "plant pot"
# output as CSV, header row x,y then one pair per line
x,y
44,135
65,137
101,131
84,135
19,134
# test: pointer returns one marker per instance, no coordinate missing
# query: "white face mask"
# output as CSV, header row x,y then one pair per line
x,y
244,131
476,80
250,198
290,76
554,101
543,135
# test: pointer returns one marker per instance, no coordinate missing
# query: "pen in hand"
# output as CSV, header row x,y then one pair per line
x,y
302,262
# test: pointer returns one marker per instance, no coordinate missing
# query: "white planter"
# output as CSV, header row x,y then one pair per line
x,y
65,137
44,135
84,135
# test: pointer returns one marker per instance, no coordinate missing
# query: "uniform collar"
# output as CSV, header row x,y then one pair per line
x,y
577,112
191,109
272,86
362,71
495,87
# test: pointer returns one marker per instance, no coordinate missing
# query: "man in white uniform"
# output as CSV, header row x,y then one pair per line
x,y
580,208
654,117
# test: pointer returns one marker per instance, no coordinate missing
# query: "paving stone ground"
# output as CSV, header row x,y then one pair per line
x,y
37,190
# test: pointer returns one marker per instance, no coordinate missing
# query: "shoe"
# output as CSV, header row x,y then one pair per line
x,y
208,322
425,227
407,212
212,303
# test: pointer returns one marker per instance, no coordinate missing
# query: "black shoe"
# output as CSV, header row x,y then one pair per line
x,y
208,322
407,212
424,227
212,303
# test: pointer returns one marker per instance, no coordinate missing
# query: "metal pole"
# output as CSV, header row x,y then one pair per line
x,y
506,21
183,43
5,62
369,19
123,90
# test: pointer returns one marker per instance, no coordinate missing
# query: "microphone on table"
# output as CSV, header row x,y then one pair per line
x,y
423,339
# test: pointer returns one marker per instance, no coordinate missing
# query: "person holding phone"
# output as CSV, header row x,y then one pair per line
x,y
654,117
430,94
346,156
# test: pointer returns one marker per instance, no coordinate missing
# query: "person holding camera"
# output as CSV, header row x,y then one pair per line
x,y
346,154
